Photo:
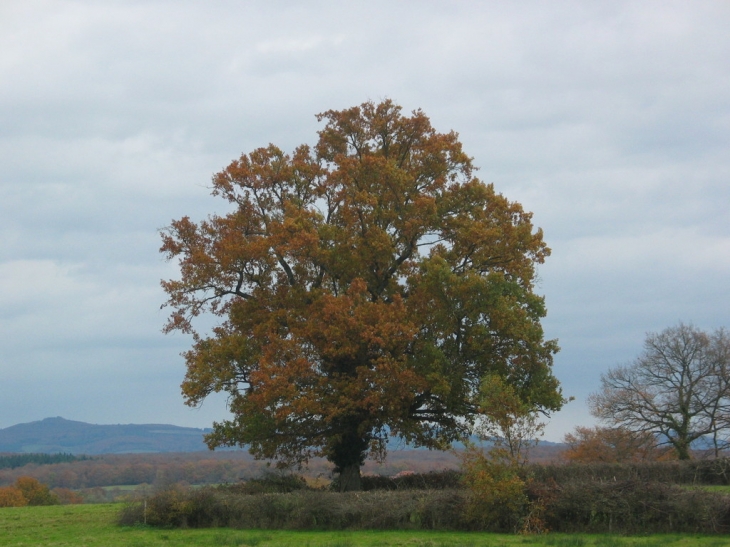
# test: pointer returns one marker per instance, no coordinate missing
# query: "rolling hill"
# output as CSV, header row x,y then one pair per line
x,y
53,435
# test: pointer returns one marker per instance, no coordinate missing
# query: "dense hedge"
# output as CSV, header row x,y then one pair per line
x,y
635,506
695,472
210,507
709,472
435,480
613,506
612,498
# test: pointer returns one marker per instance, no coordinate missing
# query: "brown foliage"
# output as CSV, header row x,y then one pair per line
x,y
612,445
497,497
35,492
67,496
26,491
10,496
364,287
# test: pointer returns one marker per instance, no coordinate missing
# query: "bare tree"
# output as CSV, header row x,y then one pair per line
x,y
719,412
678,390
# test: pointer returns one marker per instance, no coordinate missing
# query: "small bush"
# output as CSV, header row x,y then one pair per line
x,y
497,498
12,497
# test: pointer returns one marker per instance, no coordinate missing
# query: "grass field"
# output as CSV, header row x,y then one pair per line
x,y
94,525
720,489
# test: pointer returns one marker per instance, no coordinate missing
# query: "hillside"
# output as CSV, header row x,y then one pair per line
x,y
53,435
58,435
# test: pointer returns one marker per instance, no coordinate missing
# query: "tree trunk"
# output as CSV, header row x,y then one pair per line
x,y
350,478
683,452
348,451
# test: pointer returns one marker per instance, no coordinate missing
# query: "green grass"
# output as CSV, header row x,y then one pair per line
x,y
719,488
94,526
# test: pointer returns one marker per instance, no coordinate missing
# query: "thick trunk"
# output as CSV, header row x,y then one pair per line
x,y
682,448
348,452
350,478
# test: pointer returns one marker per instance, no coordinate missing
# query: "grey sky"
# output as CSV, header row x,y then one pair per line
x,y
610,121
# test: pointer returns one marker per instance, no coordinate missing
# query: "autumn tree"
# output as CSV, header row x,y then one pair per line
x,y
364,287
511,423
10,496
27,491
677,390
66,496
612,445
35,492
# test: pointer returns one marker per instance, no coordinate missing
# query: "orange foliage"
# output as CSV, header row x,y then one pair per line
x,y
35,492
364,286
612,445
12,497
67,497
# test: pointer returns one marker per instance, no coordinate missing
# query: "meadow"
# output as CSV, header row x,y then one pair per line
x,y
96,526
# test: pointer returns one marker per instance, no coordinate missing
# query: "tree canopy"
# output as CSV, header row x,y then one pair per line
x,y
677,390
364,288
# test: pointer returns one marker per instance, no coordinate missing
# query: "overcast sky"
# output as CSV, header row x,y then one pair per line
x,y
609,120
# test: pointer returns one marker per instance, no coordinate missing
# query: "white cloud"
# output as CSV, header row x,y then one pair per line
x,y
297,45
610,121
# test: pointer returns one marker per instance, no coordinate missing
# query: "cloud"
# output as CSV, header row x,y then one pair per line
x,y
610,121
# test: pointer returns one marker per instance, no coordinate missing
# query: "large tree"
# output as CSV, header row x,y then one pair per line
x,y
364,288
677,390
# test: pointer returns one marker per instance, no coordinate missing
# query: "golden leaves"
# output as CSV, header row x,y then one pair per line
x,y
367,280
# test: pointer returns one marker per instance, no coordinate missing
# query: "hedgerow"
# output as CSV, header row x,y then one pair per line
x,y
299,510
609,507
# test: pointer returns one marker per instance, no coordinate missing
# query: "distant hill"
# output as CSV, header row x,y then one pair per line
x,y
58,435
54,435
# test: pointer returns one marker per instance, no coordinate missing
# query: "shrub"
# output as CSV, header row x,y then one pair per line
x,y
500,495
66,496
12,497
35,492
27,491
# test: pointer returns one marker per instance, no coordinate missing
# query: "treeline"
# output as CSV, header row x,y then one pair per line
x,y
131,469
199,468
12,461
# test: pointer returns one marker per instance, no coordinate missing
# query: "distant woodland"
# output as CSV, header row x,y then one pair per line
x,y
20,460
78,472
